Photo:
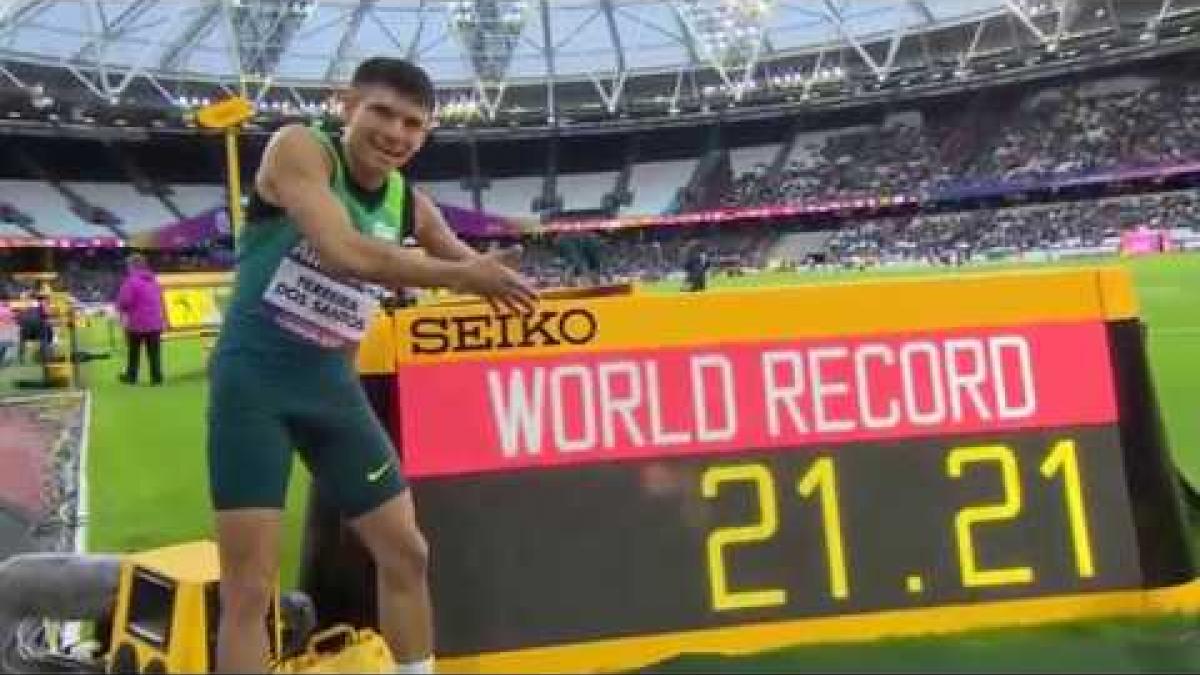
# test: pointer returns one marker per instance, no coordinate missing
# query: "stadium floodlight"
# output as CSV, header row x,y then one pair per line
x,y
262,31
729,34
488,32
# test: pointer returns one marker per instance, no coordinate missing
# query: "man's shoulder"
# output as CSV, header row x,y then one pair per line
x,y
296,129
296,145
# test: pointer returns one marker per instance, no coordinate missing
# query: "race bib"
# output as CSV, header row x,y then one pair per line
x,y
312,305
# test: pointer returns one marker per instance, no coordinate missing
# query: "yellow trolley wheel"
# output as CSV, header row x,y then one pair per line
x,y
125,660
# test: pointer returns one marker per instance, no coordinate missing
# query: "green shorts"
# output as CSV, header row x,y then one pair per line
x,y
260,411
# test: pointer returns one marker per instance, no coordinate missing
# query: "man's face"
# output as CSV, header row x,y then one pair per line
x,y
384,129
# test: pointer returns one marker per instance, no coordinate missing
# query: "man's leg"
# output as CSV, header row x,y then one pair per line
x,y
133,342
351,454
249,463
249,543
154,351
401,556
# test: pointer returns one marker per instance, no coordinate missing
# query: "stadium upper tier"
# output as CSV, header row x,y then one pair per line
x,y
554,62
1056,132
991,143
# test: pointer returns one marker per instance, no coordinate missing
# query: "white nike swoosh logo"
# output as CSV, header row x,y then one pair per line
x,y
378,473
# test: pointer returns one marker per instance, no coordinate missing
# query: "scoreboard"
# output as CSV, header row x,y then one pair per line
x,y
615,480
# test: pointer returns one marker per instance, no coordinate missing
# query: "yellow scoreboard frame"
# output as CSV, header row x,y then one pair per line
x,y
1070,515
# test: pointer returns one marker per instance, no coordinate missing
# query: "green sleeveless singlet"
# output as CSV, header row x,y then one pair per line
x,y
281,380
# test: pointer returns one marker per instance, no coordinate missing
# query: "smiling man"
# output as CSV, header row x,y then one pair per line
x,y
325,222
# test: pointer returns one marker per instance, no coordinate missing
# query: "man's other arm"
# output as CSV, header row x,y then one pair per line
x,y
434,234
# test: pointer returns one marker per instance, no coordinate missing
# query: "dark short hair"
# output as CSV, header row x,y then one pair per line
x,y
403,77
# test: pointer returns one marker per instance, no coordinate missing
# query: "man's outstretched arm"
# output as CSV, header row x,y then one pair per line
x,y
295,177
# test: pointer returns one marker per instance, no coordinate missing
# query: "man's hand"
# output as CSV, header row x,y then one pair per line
x,y
511,256
489,275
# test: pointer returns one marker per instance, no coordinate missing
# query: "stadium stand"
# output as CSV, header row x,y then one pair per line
x,y
1088,227
1056,132
196,199
449,192
796,247
12,230
51,215
1082,225
586,190
655,184
512,196
136,212
1066,131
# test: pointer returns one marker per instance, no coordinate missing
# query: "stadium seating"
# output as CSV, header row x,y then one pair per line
x,y
137,212
796,247
582,191
1053,133
196,199
11,230
448,192
52,215
1004,231
512,196
655,184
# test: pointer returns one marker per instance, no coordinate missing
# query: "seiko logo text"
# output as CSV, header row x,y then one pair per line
x,y
483,332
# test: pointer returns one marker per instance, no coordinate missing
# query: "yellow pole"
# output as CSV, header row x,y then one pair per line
x,y
228,116
233,167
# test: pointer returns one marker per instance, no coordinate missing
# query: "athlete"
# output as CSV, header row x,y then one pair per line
x,y
324,226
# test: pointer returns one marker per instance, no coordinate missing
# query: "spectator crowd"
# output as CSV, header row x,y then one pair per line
x,y
1058,133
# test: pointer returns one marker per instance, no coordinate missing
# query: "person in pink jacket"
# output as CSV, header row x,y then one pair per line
x,y
8,332
140,303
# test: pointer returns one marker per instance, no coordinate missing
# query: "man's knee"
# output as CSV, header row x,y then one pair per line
x,y
246,595
248,543
391,534
405,560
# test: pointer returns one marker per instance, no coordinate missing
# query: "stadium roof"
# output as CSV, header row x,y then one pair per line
x,y
457,40
551,55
